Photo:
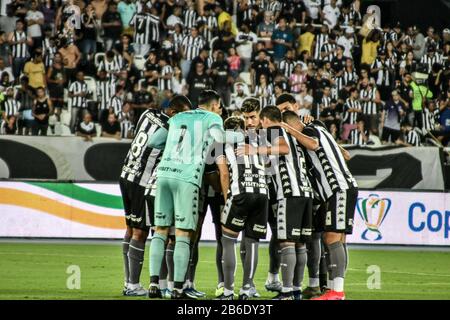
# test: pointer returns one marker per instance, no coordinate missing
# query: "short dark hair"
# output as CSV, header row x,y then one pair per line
x,y
234,123
208,96
272,113
285,97
250,105
289,115
179,102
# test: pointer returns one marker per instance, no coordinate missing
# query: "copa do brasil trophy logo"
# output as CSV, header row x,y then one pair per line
x,y
373,210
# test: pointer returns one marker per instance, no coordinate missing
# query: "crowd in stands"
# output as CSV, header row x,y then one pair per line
x,y
90,67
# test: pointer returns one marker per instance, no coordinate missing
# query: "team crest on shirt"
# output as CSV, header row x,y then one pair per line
x,y
373,210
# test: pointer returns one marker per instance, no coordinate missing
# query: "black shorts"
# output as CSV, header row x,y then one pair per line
x,y
294,219
151,209
136,213
341,212
390,135
318,216
246,212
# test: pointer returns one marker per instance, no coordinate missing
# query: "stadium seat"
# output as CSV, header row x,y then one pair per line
x,y
139,62
98,57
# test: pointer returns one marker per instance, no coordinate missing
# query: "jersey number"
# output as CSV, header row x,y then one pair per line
x,y
182,134
255,162
138,143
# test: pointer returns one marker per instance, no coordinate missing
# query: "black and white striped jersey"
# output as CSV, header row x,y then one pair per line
x,y
11,107
211,25
356,137
190,18
142,23
412,138
116,104
429,61
327,48
369,107
141,160
19,50
78,87
350,117
126,126
383,76
349,76
320,39
111,67
429,119
247,173
286,67
289,173
177,41
155,23
328,164
192,46
274,6
165,84
264,94
49,52
105,90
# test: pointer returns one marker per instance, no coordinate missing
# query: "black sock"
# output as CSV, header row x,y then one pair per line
x,y
193,260
136,257
250,260
218,229
126,263
323,267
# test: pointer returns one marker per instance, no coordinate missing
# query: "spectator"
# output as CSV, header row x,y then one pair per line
x,y
78,91
347,41
221,77
190,48
331,14
111,128
56,80
314,9
48,9
370,47
306,40
20,43
8,22
88,44
410,137
35,71
112,26
5,51
25,96
352,108
245,40
42,109
126,9
10,125
263,91
71,57
116,102
282,40
360,135
35,21
125,119
418,44
391,116
234,62
86,128
10,105
226,37
197,82
420,95
262,65
266,28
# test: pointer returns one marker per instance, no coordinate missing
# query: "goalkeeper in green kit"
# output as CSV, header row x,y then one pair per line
x,y
179,178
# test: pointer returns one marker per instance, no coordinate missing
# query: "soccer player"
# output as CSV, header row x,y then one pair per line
x,y
294,195
245,190
179,178
340,190
250,111
136,172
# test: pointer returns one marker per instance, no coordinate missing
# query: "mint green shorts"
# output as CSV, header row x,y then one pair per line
x,y
176,203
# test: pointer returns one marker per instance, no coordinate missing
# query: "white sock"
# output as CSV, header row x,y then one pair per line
x,y
188,284
286,289
163,284
273,277
338,284
330,284
294,288
227,292
170,285
133,286
220,285
314,282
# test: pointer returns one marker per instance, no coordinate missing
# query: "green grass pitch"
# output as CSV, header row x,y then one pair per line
x,y
38,271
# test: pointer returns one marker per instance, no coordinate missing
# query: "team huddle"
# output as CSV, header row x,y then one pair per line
x,y
256,169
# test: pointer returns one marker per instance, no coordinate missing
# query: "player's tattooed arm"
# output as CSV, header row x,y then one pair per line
x,y
224,175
